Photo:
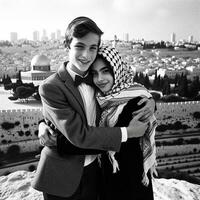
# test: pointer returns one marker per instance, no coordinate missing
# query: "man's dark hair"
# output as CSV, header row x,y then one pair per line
x,y
79,27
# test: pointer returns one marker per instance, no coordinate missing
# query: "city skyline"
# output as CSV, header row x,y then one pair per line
x,y
57,35
151,20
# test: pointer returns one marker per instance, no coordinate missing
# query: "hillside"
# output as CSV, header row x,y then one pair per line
x,y
16,186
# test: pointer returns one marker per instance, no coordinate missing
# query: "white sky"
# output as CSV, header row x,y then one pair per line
x,y
148,19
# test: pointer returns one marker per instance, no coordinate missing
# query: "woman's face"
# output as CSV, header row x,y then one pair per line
x,y
102,76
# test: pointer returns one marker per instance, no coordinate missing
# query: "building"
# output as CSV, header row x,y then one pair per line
x,y
173,38
114,43
40,70
58,34
13,36
36,36
53,36
190,39
44,35
126,37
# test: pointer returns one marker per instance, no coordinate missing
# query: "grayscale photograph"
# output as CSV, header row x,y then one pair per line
x,y
100,100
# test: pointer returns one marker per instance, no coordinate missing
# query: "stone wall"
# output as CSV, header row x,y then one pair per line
x,y
169,113
20,127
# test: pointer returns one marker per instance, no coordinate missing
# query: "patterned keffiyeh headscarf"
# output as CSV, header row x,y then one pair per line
x,y
113,102
123,75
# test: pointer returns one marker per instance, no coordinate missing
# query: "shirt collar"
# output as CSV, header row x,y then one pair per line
x,y
73,74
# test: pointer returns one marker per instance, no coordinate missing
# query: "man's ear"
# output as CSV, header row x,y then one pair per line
x,y
67,47
100,43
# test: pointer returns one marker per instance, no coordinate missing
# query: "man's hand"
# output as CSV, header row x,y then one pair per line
x,y
47,136
148,110
137,128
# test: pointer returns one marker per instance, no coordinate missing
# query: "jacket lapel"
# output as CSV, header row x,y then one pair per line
x,y
69,83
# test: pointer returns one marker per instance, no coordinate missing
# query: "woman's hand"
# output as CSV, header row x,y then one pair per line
x,y
136,127
47,136
148,110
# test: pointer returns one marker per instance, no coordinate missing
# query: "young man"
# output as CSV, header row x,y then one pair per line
x,y
72,109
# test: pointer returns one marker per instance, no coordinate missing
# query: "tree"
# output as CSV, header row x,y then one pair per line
x,y
162,44
196,115
175,81
177,125
183,86
194,87
159,83
22,92
147,83
13,151
172,98
7,80
166,86
156,82
141,78
136,78
19,78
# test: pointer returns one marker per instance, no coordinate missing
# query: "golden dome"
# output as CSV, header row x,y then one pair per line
x,y
40,60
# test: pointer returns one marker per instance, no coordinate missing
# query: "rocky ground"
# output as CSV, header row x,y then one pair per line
x,y
17,186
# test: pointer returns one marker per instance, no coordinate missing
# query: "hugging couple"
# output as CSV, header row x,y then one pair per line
x,y
99,125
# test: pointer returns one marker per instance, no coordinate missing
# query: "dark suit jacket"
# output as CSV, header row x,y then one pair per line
x,y
63,106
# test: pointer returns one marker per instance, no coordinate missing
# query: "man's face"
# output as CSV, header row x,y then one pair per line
x,y
82,52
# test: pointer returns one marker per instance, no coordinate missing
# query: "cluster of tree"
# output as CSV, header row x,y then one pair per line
x,y
6,80
21,90
176,126
184,88
179,141
163,45
157,45
5,43
9,125
172,98
196,115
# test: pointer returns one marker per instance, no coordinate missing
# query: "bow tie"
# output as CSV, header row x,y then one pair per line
x,y
87,80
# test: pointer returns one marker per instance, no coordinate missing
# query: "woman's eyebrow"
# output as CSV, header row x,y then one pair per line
x,y
94,45
80,43
101,69
104,68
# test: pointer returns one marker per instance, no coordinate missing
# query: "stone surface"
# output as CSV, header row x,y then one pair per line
x,y
17,186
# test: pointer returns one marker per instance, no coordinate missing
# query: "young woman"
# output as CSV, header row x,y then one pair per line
x,y
127,173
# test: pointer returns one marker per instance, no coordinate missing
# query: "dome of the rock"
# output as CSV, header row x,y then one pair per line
x,y
40,60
